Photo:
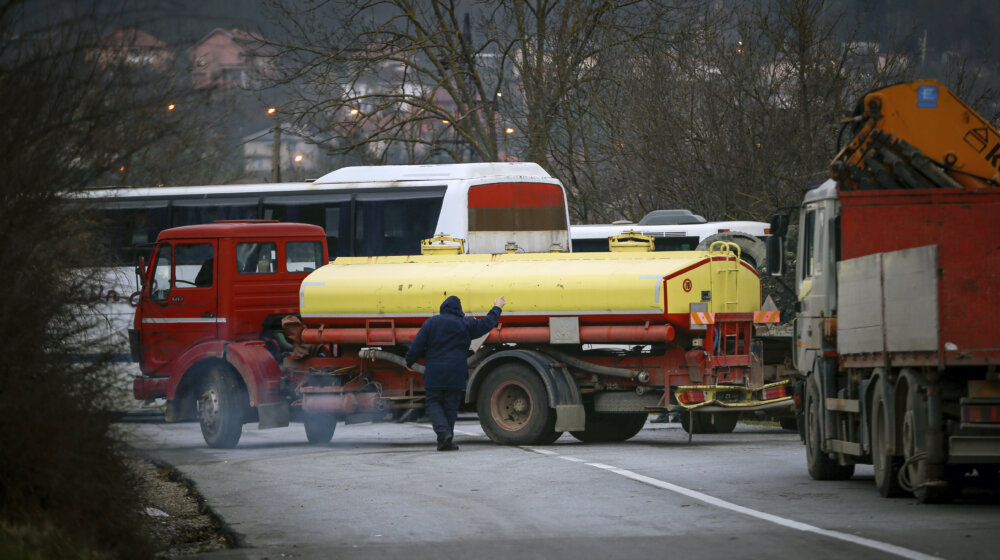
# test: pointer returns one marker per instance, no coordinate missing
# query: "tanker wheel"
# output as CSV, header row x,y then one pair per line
x,y
819,463
696,422
886,466
319,427
514,407
603,427
724,422
221,408
915,463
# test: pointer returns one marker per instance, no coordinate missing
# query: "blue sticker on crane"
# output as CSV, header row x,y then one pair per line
x,y
927,97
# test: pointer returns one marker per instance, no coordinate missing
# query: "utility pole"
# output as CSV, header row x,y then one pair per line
x,y
276,154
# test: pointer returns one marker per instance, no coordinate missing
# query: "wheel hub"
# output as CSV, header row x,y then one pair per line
x,y
511,406
209,407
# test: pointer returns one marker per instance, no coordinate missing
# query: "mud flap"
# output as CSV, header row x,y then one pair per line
x,y
570,417
272,415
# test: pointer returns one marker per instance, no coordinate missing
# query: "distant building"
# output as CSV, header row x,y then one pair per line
x,y
131,47
228,58
300,158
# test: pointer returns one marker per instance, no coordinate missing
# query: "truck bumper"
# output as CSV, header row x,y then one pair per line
x,y
974,449
148,388
721,398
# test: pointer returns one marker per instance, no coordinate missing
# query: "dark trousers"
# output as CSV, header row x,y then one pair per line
x,y
442,409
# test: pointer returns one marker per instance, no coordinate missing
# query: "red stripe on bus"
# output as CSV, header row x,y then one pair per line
x,y
512,195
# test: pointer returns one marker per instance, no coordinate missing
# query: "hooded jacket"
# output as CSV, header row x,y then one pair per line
x,y
444,339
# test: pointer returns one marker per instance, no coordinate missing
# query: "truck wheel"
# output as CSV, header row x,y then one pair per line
x,y
221,408
886,466
602,427
915,465
319,427
820,465
514,407
752,250
789,423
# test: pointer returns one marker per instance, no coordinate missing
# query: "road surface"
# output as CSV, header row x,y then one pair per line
x,y
383,491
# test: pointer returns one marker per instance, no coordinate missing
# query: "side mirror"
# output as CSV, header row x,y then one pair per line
x,y
140,273
779,225
776,254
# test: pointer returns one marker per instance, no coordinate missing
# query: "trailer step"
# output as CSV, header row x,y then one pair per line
x,y
845,447
843,405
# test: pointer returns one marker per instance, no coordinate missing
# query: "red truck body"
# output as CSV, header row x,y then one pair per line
x,y
226,318
965,226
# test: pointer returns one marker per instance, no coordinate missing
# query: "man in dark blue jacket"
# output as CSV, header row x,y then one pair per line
x,y
445,340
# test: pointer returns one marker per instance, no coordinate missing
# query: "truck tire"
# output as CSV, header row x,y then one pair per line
x,y
752,250
603,427
222,404
514,408
319,427
789,423
886,466
820,465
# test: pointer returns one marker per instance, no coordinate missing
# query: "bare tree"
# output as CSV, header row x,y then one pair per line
x,y
407,80
733,120
70,121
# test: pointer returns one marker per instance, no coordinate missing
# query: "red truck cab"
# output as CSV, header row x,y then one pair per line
x,y
213,297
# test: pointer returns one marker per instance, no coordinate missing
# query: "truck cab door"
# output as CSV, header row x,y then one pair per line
x,y
809,278
180,306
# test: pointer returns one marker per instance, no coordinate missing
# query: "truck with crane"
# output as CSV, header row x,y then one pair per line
x,y
241,322
898,283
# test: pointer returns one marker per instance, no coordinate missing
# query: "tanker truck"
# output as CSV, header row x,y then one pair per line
x,y
242,322
898,280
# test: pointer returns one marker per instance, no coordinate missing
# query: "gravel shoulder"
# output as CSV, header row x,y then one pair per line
x,y
177,519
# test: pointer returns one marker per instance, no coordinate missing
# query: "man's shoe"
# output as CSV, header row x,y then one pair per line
x,y
447,445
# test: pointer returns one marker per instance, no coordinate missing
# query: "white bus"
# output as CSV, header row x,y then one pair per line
x,y
677,230
365,211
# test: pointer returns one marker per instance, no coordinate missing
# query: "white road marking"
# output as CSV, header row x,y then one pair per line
x,y
713,501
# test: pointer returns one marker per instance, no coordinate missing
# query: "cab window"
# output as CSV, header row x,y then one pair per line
x,y
257,257
193,266
303,256
808,256
159,289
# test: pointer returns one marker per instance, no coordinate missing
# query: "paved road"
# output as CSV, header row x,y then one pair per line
x,y
382,491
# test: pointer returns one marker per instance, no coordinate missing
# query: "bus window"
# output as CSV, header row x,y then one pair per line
x,y
207,210
386,224
303,256
329,212
686,243
130,228
591,245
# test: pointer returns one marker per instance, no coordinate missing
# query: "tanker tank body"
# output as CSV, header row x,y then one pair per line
x,y
685,317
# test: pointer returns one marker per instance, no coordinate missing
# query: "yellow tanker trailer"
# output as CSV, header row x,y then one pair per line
x,y
589,343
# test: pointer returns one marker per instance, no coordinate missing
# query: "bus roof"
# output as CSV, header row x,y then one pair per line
x,y
364,177
238,228
442,172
